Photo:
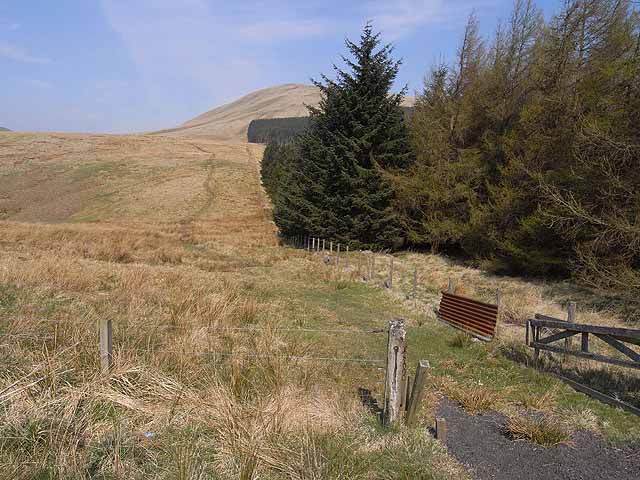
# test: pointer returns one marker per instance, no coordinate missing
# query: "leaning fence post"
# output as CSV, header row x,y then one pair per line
x,y
396,371
106,344
417,392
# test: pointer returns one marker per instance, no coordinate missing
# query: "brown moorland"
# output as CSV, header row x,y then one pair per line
x,y
220,370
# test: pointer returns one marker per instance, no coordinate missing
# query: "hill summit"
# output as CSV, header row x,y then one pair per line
x,y
230,122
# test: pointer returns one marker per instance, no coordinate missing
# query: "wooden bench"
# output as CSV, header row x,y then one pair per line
x,y
472,316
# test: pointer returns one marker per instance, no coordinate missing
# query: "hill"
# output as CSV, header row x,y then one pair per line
x,y
230,122
231,353
2,129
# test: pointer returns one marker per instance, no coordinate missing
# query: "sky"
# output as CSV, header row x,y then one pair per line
x,y
118,66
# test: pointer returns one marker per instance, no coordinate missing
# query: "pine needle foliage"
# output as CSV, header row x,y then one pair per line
x,y
337,182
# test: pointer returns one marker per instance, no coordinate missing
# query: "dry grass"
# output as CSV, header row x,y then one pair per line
x,y
474,399
180,253
192,394
546,430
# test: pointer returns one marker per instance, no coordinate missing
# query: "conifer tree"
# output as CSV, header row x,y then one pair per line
x,y
355,135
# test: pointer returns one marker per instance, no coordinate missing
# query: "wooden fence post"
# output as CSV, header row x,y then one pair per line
x,y
338,257
417,392
359,263
441,429
390,280
323,244
571,318
395,382
451,287
106,344
536,351
331,247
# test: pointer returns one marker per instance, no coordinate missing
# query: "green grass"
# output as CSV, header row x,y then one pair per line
x,y
356,304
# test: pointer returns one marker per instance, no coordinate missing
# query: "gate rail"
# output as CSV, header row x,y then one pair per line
x,y
542,331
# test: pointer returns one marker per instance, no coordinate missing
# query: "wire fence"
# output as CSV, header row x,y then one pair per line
x,y
366,265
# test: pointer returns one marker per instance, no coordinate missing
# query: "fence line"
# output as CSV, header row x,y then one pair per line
x,y
258,355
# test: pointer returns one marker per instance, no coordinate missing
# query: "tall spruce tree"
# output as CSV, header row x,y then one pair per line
x,y
355,135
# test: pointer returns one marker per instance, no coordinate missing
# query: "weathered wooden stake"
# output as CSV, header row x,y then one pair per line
x,y
451,287
396,372
441,430
331,246
338,257
417,392
359,263
415,285
571,318
323,244
106,344
536,350
390,272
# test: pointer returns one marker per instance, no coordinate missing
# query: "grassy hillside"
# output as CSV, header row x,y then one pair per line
x,y
220,370
230,122
2,129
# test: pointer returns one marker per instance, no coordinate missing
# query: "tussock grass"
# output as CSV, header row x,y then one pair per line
x,y
546,431
474,399
461,340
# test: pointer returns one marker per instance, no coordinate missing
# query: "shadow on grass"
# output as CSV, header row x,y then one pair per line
x,y
617,382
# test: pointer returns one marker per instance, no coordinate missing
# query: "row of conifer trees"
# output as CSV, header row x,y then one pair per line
x,y
523,154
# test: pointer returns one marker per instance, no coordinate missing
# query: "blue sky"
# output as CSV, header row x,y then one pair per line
x,y
136,65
